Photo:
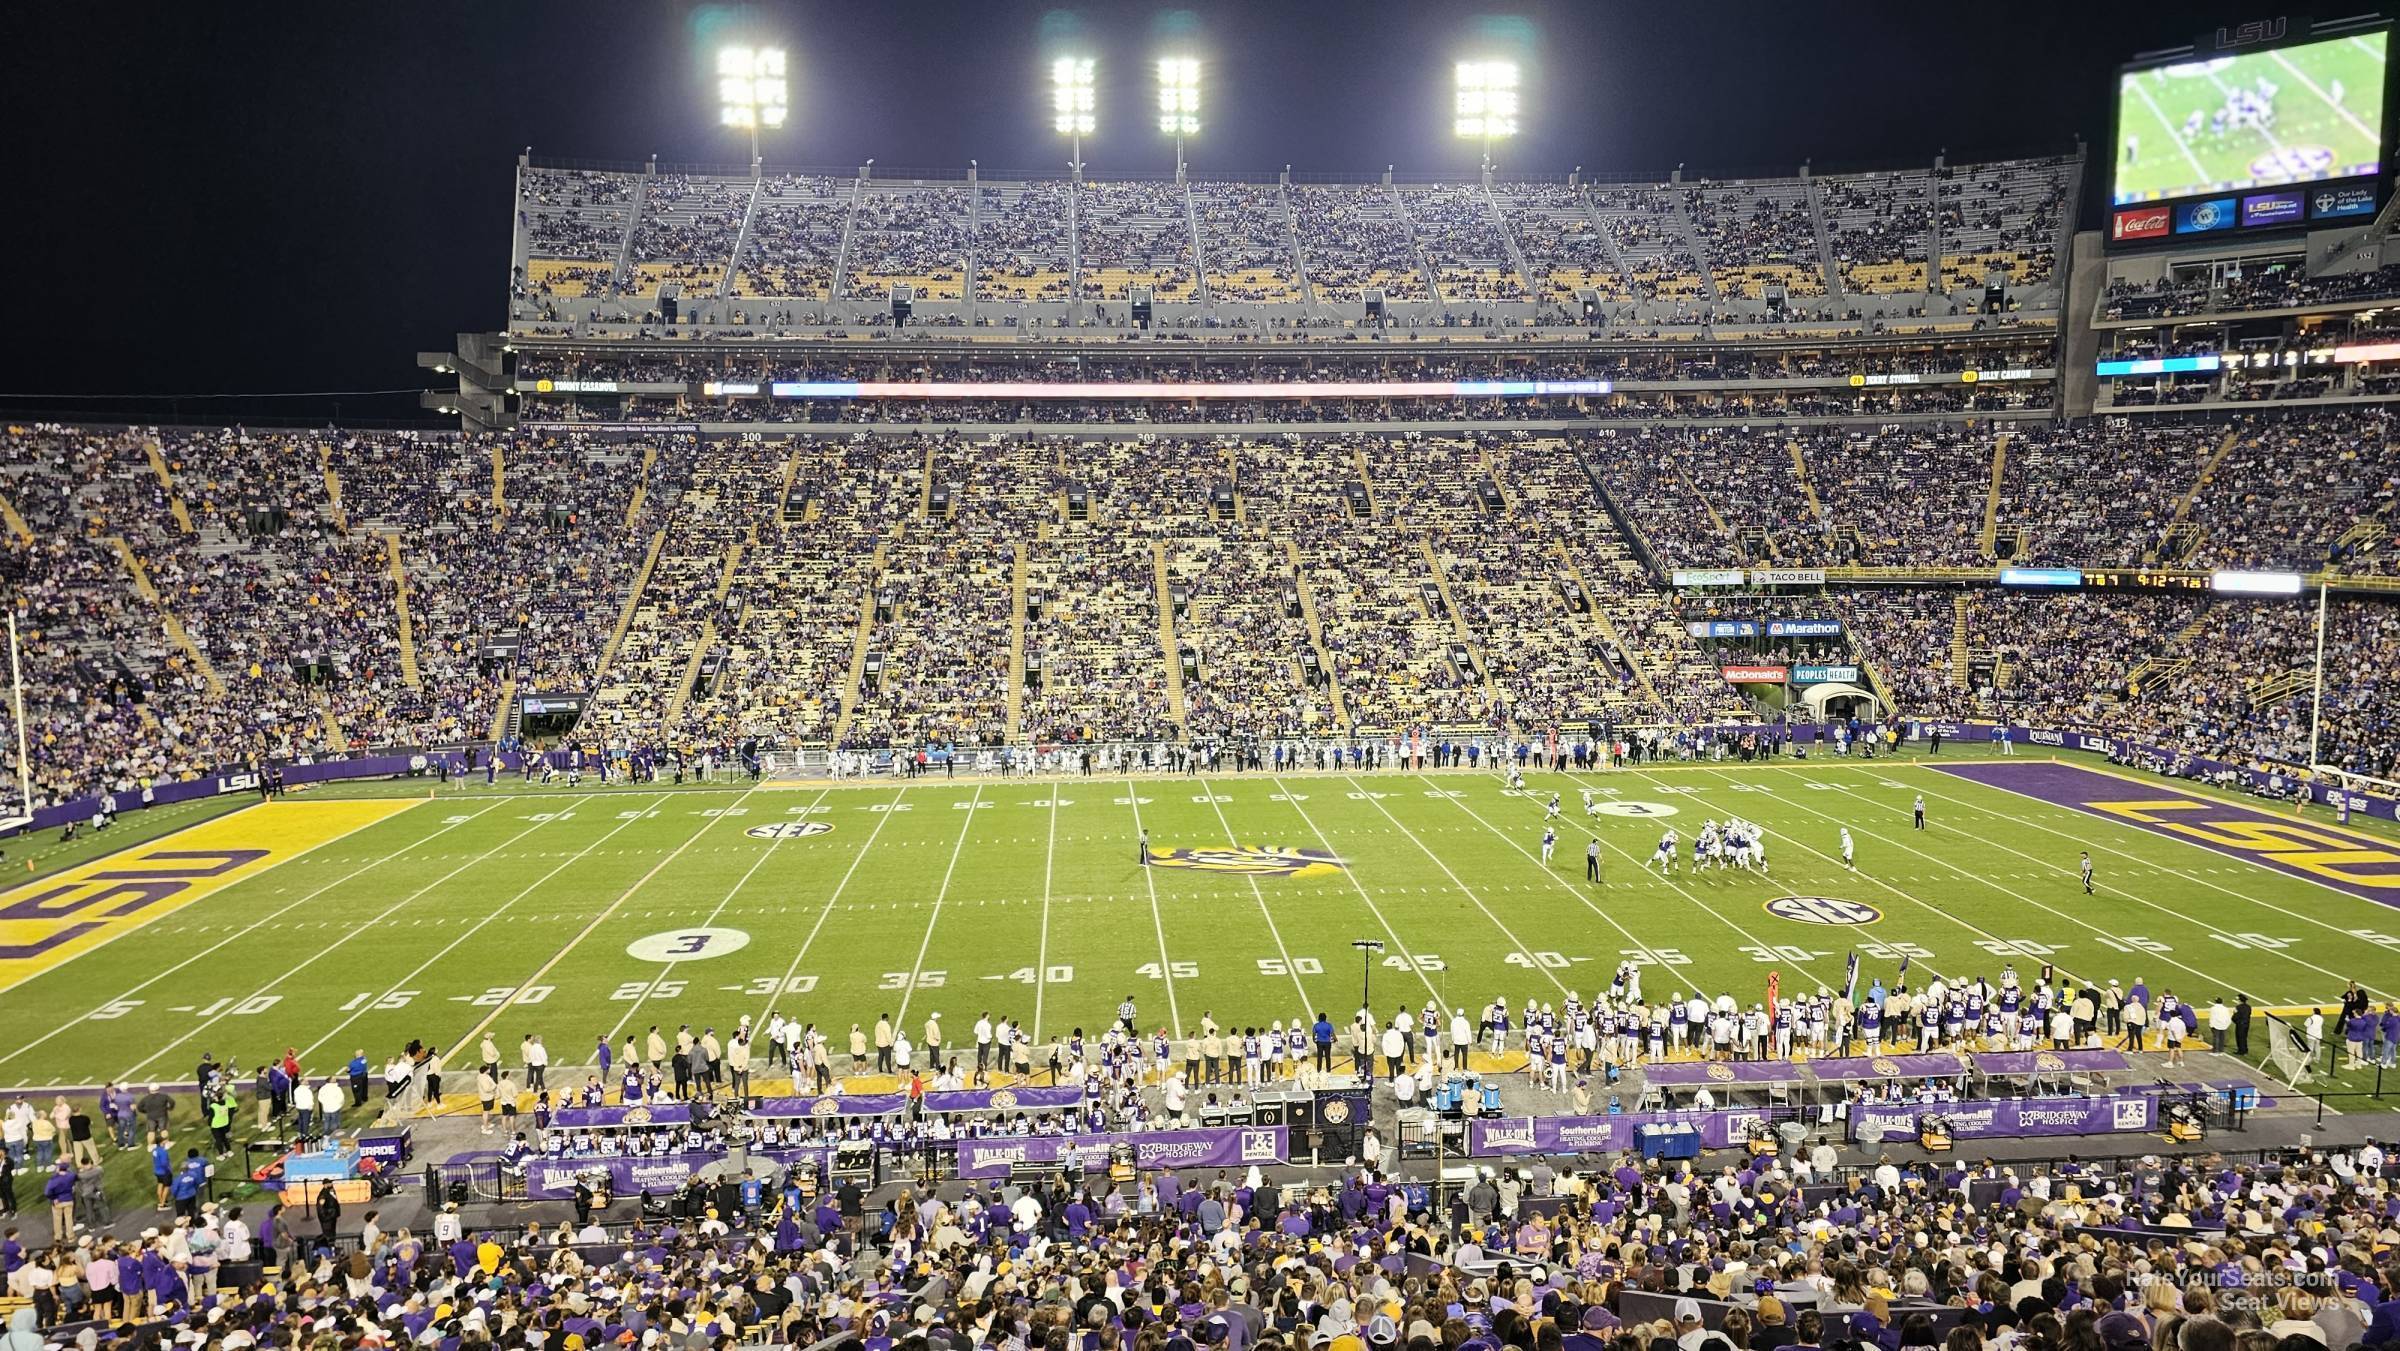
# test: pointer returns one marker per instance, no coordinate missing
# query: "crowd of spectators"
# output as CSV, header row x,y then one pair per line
x,y
1757,236
795,239
1879,228
1132,234
916,236
685,234
1353,239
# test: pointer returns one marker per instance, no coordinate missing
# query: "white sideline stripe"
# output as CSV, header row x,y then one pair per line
x,y
355,930
1292,800
1158,925
1456,881
634,1006
2178,872
247,929
901,1022
882,819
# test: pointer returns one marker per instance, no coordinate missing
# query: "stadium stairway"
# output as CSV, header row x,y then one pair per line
x,y
2181,536
1458,617
1706,505
1808,487
1016,642
331,726
1164,595
500,480
408,635
1607,626
15,523
1961,653
633,506
633,603
1836,292
176,634
1316,631
1416,243
1291,244
333,489
1508,238
858,649
166,481
504,721
1991,501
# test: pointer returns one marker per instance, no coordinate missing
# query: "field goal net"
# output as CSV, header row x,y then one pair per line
x,y
2290,1053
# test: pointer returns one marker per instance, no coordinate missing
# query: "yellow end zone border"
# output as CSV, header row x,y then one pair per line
x,y
54,919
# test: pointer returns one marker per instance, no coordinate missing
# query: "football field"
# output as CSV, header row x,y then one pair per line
x,y
2328,102
333,923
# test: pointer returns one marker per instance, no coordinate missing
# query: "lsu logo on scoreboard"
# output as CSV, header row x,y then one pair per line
x,y
2325,851
1250,861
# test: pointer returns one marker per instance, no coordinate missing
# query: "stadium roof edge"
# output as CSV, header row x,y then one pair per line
x,y
1197,174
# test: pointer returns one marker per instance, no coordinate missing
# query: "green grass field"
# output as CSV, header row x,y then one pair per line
x,y
2314,134
579,913
594,912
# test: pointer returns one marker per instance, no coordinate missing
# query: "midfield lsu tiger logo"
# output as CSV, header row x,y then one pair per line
x,y
1250,861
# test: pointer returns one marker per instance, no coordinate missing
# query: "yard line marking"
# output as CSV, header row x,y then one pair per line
x,y
1041,958
901,1022
245,931
1364,897
571,944
354,932
2172,133
1258,894
1166,968
2339,110
882,819
2011,891
2369,48
635,1005
1648,952
1455,880
1969,805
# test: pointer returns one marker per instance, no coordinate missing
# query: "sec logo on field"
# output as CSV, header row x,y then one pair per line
x,y
1823,910
788,830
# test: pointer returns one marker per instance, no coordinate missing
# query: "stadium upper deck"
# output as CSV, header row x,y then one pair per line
x,y
602,254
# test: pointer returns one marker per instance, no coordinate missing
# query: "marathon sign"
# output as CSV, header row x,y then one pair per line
x,y
1787,576
1756,675
2011,1118
1804,628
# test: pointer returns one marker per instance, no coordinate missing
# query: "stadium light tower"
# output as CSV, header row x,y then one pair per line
x,y
1071,101
1487,103
751,92
1179,102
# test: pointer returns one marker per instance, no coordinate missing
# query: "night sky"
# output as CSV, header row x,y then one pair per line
x,y
278,197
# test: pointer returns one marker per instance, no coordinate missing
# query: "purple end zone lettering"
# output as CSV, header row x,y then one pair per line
x,y
2313,848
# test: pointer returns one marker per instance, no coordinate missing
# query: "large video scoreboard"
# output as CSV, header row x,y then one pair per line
x,y
2250,138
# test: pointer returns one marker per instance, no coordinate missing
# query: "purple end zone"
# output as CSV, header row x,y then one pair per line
x,y
2312,847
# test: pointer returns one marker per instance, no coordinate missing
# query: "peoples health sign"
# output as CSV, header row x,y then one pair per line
x,y
2013,1117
